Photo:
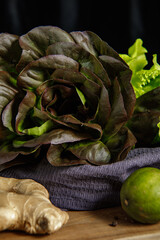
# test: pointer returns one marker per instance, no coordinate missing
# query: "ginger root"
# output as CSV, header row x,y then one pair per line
x,y
25,205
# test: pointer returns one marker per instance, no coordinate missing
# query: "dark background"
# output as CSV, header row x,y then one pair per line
x,y
117,22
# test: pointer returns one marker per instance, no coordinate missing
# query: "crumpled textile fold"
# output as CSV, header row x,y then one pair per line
x,y
86,187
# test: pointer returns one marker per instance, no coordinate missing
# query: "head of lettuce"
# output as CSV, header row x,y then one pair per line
x,y
68,92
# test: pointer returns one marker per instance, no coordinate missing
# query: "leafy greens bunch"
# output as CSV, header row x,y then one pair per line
x,y
68,92
145,122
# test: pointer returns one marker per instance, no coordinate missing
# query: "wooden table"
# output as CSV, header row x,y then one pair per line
x,y
104,224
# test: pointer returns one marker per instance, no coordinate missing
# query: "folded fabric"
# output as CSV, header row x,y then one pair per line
x,y
86,187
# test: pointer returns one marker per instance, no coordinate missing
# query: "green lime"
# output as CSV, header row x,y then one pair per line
x,y
140,195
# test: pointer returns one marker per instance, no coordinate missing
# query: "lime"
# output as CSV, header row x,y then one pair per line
x,y
140,195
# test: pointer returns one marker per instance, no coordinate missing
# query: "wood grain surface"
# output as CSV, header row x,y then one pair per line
x,y
103,224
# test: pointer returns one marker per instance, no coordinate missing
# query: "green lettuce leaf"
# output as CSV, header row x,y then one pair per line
x,y
146,82
143,80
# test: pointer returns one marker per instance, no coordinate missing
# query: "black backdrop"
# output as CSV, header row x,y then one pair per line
x,y
117,22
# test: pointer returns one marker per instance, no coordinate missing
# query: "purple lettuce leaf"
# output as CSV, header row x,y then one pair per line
x,y
70,92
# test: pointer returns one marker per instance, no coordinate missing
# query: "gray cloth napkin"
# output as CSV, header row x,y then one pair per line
x,y
86,187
